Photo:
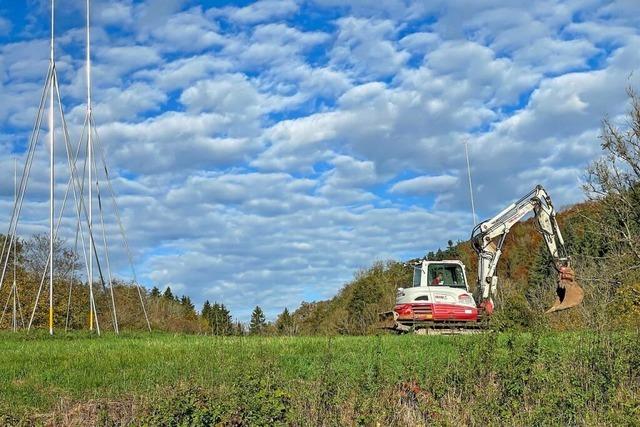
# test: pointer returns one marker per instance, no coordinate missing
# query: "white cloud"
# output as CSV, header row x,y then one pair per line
x,y
396,9
124,59
348,181
152,14
189,31
350,172
273,44
554,56
422,185
263,10
113,13
227,93
302,82
420,42
600,32
497,81
175,141
128,103
366,48
24,60
183,72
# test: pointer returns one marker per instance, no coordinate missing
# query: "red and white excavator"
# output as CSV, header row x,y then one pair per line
x,y
439,297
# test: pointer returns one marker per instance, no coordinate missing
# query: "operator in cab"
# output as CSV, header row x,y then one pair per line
x,y
437,280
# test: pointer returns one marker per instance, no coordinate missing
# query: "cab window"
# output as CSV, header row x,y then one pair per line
x,y
417,276
446,275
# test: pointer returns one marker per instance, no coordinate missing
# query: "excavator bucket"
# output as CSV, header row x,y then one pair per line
x,y
569,293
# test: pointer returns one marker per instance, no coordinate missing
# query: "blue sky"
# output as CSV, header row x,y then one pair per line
x,y
264,152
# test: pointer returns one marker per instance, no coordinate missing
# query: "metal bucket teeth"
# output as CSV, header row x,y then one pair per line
x,y
569,293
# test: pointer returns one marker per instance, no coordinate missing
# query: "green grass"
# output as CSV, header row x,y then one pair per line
x,y
524,378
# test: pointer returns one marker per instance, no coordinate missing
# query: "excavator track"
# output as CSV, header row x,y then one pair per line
x,y
389,322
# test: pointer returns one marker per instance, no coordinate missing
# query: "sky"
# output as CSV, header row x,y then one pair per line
x,y
262,153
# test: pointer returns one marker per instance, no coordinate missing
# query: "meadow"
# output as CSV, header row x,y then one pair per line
x,y
513,378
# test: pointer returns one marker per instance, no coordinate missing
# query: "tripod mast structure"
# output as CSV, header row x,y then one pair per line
x,y
90,151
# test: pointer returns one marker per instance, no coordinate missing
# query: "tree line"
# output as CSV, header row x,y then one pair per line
x,y
166,311
220,322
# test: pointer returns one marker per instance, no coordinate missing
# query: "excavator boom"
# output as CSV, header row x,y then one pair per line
x,y
488,239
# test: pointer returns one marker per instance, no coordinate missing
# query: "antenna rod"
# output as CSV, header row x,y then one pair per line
x,y
473,207
89,159
51,171
15,201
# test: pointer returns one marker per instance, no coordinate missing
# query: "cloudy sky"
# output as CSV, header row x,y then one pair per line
x,y
263,152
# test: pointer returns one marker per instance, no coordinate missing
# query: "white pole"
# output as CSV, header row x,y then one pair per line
x,y
51,174
89,154
473,207
15,201
15,319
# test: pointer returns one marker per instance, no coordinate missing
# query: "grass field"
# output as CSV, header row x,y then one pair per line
x,y
444,380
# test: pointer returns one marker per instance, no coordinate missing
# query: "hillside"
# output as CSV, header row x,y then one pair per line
x,y
526,285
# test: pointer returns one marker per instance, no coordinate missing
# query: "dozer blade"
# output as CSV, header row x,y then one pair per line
x,y
386,320
389,321
569,293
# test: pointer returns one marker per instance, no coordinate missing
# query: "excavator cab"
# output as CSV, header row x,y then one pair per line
x,y
437,298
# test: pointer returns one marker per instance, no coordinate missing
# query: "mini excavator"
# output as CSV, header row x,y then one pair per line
x,y
439,298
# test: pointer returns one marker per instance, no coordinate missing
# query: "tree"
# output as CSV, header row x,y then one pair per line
x,y
71,294
220,320
451,252
285,324
206,310
362,308
18,250
187,305
238,329
36,254
258,321
614,181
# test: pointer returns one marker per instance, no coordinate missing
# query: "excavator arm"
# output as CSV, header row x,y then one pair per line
x,y
488,239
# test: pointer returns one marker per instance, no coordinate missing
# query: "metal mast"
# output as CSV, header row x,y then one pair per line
x,y
15,287
75,186
90,155
51,171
